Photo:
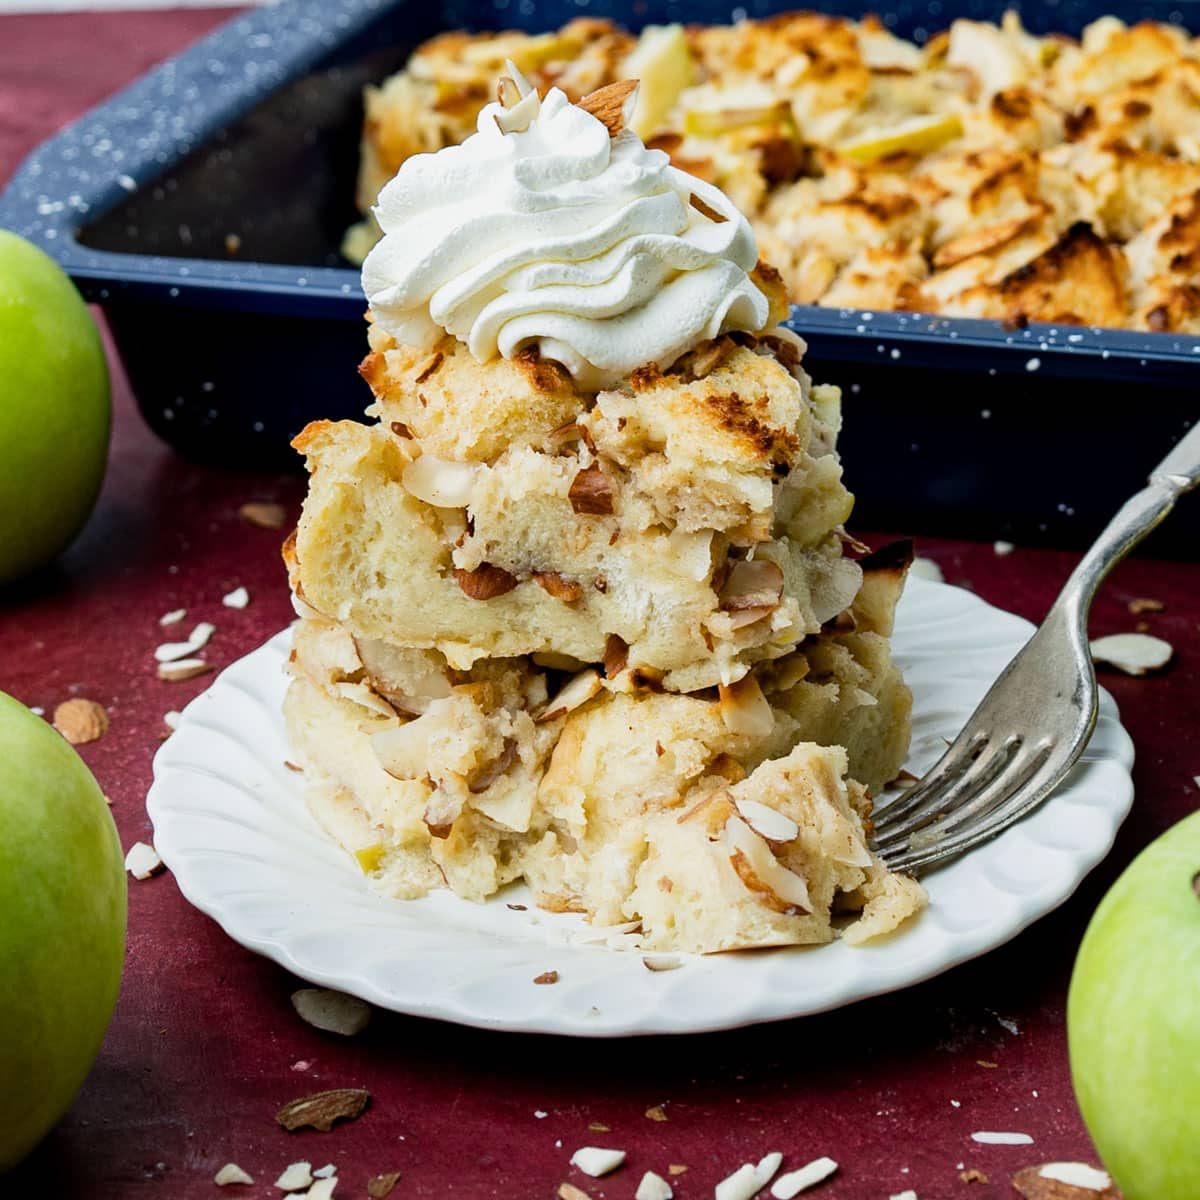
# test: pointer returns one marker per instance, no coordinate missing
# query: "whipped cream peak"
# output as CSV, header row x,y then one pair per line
x,y
554,226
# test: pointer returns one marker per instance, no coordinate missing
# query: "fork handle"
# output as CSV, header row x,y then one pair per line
x,y
1179,472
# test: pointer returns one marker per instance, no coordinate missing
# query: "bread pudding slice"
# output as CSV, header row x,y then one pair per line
x,y
591,786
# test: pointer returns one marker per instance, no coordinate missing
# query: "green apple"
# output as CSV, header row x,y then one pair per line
x,y
55,410
62,926
1133,1021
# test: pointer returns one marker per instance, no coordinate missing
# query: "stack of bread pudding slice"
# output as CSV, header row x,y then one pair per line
x,y
576,607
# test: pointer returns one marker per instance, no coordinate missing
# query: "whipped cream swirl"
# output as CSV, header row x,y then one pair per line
x,y
561,237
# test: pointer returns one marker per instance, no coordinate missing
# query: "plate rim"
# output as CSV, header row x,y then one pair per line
x,y
1075,864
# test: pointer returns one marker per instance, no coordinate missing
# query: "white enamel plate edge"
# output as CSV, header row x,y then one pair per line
x,y
231,823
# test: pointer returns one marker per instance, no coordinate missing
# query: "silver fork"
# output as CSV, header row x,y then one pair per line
x,y
1036,719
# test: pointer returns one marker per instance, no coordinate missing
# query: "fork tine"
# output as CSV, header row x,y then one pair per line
x,y
958,758
989,763
1010,797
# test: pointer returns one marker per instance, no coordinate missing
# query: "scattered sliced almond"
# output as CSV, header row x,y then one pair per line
x,y
435,359
295,1178
656,1112
485,582
364,697
335,1012
197,640
612,105
676,1169
171,719
328,1171
238,598
264,514
616,655
794,1182
81,721
568,1191
598,1127
767,1166
440,481
907,1195
591,493
1133,653
596,1161
578,690
1144,604
1065,1181
142,861
322,1109
546,977
231,1173
517,117
1002,549
768,822
173,617
987,1137
322,1189
973,1175
379,1187
741,1185
662,962
653,1187
183,668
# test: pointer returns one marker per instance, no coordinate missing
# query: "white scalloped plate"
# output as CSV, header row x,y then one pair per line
x,y
231,823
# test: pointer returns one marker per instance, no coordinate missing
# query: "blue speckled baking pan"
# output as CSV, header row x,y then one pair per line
x,y
203,206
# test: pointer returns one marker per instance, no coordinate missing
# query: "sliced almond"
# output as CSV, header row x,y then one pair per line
x,y
980,241
443,808
264,514
518,117
662,962
744,708
1133,653
567,590
379,1187
295,1177
752,583
200,636
707,210
656,1112
142,861
768,822
322,1189
613,105
231,1173
183,668
332,1011
81,721
653,1187
364,697
321,1109
616,655
1065,1181
591,493
546,977
568,1191
741,1185
440,481
485,582
173,617
776,887
432,362
578,690
483,779
1144,604
325,1172
403,749
238,598
794,1182
171,719
596,1161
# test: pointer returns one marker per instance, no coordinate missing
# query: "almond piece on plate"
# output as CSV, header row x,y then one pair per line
x,y
794,1182
182,668
81,721
238,598
653,1187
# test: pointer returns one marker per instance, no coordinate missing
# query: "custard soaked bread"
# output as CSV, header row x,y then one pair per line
x,y
576,607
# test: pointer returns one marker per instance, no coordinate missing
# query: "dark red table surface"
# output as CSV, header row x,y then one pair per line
x,y
205,1047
